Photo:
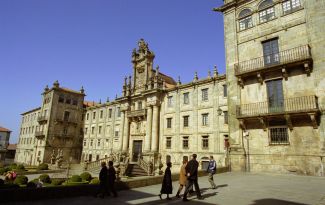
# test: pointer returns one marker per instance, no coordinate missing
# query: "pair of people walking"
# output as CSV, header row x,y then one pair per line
x,y
107,177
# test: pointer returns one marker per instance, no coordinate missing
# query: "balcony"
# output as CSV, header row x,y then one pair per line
x,y
42,119
39,134
63,136
279,61
305,105
136,113
69,121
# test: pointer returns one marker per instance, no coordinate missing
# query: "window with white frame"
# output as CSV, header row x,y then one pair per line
x,y
266,11
290,5
170,101
186,98
185,142
205,96
168,142
185,121
205,119
118,112
245,19
205,142
169,122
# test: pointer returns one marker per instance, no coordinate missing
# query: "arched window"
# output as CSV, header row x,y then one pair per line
x,y
290,6
245,19
266,11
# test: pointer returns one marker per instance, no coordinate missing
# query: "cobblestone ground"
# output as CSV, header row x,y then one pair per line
x,y
233,189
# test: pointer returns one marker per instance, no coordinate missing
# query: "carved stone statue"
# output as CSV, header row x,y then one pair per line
x,y
53,157
59,158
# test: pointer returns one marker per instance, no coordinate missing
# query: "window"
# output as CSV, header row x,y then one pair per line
x,y
68,101
225,91
61,98
186,98
101,114
139,105
99,129
205,94
271,52
275,95
87,116
75,102
290,6
97,157
205,119
205,142
65,130
118,112
170,101
110,113
116,133
245,19
279,135
91,142
66,115
185,143
267,15
85,143
185,119
98,142
94,115
92,130
169,122
168,142
225,114
86,130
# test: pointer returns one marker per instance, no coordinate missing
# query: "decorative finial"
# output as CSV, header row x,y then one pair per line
x,y
82,90
116,96
100,101
215,71
56,84
107,99
209,74
179,81
157,70
46,88
125,80
195,77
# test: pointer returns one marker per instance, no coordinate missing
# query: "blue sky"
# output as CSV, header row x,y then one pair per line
x,y
89,43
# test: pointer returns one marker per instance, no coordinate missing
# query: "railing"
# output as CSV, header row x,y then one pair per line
x,y
284,57
136,113
39,134
290,105
95,164
70,120
148,167
42,118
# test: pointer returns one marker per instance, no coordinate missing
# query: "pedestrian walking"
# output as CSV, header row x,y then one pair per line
x,y
182,178
192,178
103,179
111,179
167,187
212,169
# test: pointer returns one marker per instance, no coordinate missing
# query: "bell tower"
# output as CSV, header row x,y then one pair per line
x,y
142,60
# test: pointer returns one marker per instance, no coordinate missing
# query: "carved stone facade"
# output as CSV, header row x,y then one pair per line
x,y
275,76
136,123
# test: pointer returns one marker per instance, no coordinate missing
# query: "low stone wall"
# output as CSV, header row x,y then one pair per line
x,y
28,194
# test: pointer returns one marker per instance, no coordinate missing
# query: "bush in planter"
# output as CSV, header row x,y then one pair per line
x,y
31,184
75,178
21,180
45,178
57,182
86,176
20,167
43,167
13,166
94,181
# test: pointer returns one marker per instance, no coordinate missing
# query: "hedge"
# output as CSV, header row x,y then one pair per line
x,y
86,176
43,167
21,180
45,178
75,178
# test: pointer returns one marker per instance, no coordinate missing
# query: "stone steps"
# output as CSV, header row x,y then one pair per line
x,y
134,170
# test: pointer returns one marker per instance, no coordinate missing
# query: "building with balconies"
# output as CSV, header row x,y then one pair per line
x,y
4,143
276,90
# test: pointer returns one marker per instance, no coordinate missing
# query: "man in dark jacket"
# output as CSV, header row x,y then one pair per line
x,y
191,172
103,179
111,179
212,169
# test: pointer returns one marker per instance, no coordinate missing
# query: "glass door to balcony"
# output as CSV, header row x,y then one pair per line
x,y
275,96
271,52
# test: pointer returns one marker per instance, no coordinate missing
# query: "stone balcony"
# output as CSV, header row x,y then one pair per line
x,y
71,121
288,108
42,119
39,134
137,113
277,62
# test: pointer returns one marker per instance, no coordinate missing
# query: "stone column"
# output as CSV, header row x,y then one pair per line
x,y
155,123
126,133
122,130
147,140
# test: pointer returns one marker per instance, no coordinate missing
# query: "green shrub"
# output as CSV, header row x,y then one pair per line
x,y
75,178
43,167
86,176
21,180
94,181
31,184
69,183
57,182
4,170
20,167
45,178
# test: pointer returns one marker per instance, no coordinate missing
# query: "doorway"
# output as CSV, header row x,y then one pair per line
x,y
271,52
137,149
275,95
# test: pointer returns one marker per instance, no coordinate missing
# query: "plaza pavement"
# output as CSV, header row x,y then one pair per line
x,y
234,188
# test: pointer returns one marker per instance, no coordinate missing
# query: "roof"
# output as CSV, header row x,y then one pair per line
x,y
12,147
89,103
33,110
70,90
2,129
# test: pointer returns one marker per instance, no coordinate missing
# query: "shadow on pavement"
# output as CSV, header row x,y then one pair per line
x,y
275,201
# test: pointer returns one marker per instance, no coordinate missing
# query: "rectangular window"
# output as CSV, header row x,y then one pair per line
x,y
267,14
92,130
101,114
290,6
87,116
116,133
245,23
86,130
271,52
205,142
98,143
110,113
279,135
99,129
75,102
185,119
225,91
66,115
275,96
85,143
205,96
61,98
170,101
118,112
168,142
91,142
97,157
94,115
225,114
139,105
186,98
169,122
185,143
68,101
205,119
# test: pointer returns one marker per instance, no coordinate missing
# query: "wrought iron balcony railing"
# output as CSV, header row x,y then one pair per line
x,y
136,113
301,53
42,118
289,105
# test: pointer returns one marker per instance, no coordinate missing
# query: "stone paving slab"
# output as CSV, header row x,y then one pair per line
x,y
233,189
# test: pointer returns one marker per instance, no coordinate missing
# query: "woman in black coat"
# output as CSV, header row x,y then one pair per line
x,y
167,187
